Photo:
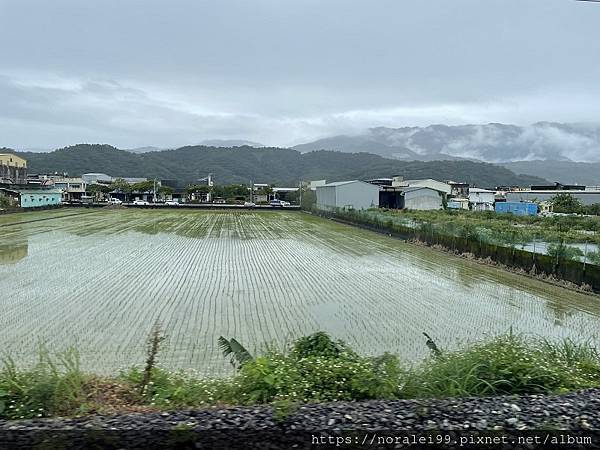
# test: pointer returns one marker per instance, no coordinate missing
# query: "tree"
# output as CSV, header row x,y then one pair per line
x,y
120,185
143,186
165,190
309,199
560,250
5,201
98,190
566,203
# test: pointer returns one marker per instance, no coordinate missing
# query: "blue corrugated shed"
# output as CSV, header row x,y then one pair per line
x,y
517,208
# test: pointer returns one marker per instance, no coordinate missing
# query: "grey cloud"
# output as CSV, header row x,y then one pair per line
x,y
281,72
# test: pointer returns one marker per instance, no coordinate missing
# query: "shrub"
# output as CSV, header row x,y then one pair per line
x,y
508,364
52,387
318,344
594,257
562,251
277,377
179,389
317,369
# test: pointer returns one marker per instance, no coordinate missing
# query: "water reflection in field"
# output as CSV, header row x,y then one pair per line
x,y
100,280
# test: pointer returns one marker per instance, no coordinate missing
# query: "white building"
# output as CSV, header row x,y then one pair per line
x,y
481,199
348,194
73,188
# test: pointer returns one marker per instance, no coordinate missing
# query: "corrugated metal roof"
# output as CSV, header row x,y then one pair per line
x,y
418,188
341,183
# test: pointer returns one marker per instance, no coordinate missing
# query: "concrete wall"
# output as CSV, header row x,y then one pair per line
x,y
423,199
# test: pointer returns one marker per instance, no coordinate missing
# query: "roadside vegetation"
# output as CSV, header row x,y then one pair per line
x,y
314,368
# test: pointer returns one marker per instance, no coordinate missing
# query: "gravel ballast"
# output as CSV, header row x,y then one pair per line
x,y
257,427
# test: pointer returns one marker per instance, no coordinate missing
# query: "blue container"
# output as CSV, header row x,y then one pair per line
x,y
517,208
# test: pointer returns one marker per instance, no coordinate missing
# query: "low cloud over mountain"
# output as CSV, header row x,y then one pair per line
x,y
493,142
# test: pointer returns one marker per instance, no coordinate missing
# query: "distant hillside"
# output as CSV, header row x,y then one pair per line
x,y
492,142
566,172
273,165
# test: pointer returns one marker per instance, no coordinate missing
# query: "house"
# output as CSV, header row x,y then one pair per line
x,y
481,199
13,169
348,194
73,188
517,208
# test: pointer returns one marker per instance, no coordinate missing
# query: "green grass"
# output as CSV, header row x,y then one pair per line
x,y
508,364
54,386
313,369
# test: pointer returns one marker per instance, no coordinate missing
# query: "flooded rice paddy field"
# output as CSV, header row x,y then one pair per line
x,y
99,280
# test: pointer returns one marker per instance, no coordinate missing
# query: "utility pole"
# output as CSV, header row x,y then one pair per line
x,y
154,192
300,187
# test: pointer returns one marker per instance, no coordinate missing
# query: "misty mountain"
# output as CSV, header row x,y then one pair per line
x,y
566,172
144,149
230,143
267,164
493,142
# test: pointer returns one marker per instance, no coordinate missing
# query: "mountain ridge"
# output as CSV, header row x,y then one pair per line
x,y
267,164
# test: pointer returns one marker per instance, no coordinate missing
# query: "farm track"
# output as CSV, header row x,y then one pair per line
x,y
99,281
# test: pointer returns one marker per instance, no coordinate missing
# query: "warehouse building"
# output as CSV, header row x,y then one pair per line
x,y
422,198
348,195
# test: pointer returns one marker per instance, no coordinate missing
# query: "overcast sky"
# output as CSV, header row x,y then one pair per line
x,y
281,72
